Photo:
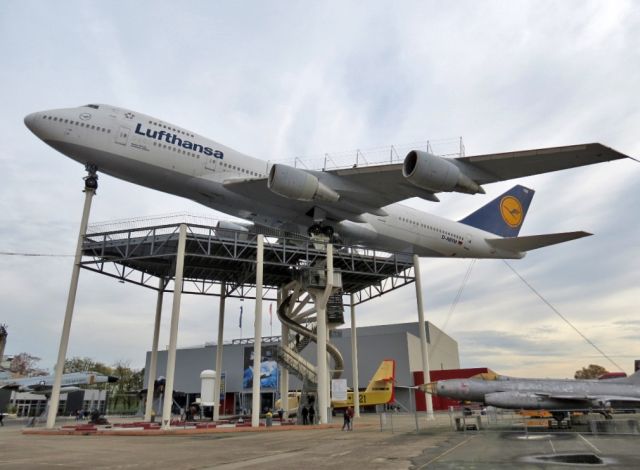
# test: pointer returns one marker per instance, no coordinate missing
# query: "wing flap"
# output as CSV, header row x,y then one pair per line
x,y
532,242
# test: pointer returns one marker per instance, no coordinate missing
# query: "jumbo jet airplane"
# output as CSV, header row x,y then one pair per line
x,y
356,205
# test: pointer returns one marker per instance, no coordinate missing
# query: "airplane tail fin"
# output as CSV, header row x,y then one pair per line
x,y
634,378
381,386
504,215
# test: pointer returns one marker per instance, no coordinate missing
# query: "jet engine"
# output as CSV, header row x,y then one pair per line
x,y
434,173
300,185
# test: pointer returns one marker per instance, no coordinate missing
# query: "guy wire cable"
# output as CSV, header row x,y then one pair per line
x,y
566,320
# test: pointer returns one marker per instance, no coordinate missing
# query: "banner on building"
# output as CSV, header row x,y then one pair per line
x,y
339,389
269,377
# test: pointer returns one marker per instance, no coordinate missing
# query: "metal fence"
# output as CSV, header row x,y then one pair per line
x,y
505,421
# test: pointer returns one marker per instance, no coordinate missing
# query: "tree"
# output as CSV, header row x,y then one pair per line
x,y
86,364
24,364
125,391
592,372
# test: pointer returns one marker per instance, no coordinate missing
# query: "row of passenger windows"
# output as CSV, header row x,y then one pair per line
x,y
164,126
429,227
77,123
195,155
242,170
175,149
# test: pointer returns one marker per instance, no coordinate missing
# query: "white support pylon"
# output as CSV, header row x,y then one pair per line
x,y
321,299
424,348
153,363
284,372
89,192
257,342
354,359
219,348
173,333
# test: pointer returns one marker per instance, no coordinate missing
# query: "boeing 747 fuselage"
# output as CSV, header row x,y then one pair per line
x,y
359,205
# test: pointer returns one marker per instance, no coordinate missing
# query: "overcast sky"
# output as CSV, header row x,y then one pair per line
x,y
287,79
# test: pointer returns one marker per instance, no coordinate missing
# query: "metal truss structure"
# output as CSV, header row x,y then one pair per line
x,y
217,257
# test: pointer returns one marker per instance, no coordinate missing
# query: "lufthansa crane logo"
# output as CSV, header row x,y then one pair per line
x,y
511,211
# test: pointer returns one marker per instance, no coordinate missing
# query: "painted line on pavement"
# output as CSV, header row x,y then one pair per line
x,y
590,444
445,453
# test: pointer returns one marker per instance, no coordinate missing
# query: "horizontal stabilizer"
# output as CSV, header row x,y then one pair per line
x,y
532,242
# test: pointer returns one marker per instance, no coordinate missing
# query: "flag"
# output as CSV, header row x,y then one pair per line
x,y
240,324
270,314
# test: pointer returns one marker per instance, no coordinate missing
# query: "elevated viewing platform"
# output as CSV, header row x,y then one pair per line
x,y
452,147
141,251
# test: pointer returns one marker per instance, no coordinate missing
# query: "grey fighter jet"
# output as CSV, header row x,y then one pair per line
x,y
44,383
549,394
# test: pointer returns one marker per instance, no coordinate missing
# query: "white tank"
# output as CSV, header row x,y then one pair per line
x,y
207,383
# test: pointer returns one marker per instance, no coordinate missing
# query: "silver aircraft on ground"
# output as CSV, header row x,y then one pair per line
x,y
558,395
356,205
44,383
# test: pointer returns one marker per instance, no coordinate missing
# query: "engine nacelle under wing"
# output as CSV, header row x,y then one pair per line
x,y
300,185
433,173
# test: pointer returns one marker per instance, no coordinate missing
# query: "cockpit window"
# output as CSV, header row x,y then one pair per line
x,y
94,106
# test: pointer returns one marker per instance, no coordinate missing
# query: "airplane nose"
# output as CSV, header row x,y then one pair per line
x,y
30,120
432,388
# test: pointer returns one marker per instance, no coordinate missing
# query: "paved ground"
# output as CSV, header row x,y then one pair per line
x,y
366,447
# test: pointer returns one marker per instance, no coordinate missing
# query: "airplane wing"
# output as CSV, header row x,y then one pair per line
x,y
10,385
617,400
495,167
368,189
592,399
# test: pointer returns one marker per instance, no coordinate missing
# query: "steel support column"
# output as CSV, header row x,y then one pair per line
x,y
153,364
89,192
173,333
219,347
321,299
284,372
424,348
354,359
257,342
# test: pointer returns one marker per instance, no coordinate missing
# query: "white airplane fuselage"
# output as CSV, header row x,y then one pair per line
x,y
147,151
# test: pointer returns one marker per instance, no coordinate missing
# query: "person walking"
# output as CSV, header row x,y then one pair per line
x,y
305,415
312,415
345,419
350,416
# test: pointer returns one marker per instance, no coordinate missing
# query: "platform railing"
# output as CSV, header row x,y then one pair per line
x,y
389,154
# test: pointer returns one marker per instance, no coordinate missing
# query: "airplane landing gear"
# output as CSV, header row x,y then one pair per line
x,y
321,231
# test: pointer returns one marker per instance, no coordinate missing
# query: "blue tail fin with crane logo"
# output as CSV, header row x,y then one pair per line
x,y
504,215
